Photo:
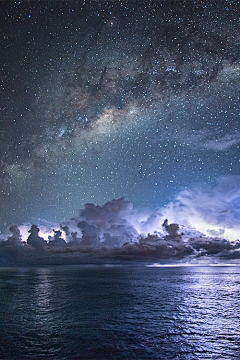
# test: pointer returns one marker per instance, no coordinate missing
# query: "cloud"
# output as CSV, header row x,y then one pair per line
x,y
202,222
206,139
213,232
211,208
172,229
34,239
108,223
223,143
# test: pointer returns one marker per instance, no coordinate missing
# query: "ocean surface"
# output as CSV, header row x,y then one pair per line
x,y
120,312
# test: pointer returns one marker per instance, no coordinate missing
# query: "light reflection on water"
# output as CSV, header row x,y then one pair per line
x,y
121,312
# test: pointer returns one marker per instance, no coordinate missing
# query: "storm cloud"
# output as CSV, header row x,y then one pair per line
x,y
218,206
195,226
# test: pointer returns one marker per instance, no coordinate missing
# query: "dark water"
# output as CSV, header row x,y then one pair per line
x,y
121,312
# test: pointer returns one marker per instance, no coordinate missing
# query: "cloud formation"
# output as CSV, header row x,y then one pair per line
x,y
107,224
223,143
116,231
206,139
217,206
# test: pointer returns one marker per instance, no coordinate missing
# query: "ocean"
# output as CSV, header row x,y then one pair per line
x,y
123,311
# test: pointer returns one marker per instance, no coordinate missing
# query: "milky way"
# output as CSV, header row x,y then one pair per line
x,y
104,99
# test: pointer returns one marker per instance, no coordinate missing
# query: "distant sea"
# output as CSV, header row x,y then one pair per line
x,y
122,311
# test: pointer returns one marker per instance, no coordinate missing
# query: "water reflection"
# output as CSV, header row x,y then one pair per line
x,y
32,324
120,313
207,312
43,290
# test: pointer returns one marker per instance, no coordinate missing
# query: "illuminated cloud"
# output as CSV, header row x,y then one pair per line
x,y
202,222
213,209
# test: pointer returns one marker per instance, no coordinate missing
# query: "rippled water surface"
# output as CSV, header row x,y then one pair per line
x,y
120,312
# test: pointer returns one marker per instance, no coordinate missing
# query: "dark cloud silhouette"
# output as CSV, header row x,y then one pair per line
x,y
65,229
90,234
171,229
35,240
16,236
210,246
56,240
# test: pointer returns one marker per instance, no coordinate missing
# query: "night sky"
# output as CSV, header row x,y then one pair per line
x,y
104,99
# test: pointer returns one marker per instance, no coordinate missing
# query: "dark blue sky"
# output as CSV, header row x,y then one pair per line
x,y
103,99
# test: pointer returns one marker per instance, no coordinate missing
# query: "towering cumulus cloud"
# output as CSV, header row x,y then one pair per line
x,y
189,229
107,224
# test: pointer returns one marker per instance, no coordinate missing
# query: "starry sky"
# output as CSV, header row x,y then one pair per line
x,y
104,99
